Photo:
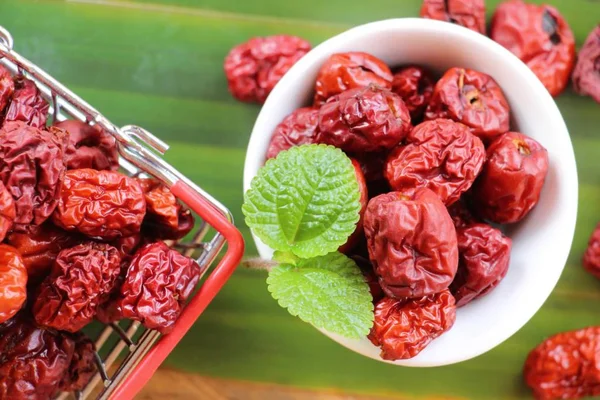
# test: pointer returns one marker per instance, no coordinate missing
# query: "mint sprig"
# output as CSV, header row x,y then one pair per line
x,y
328,291
305,201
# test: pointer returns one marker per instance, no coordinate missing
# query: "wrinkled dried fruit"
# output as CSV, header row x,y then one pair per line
x,y
565,366
483,258
27,104
540,37
512,178
82,367
472,98
591,257
253,68
344,71
586,75
412,243
156,287
414,85
440,155
13,283
89,146
165,217
7,87
298,128
467,13
8,211
127,245
40,247
370,277
80,280
100,204
368,119
31,168
33,360
364,198
461,215
404,327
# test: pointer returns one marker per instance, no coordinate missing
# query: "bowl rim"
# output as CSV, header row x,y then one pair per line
x,y
254,157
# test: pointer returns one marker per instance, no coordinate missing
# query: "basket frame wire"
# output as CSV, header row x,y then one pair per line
x,y
140,153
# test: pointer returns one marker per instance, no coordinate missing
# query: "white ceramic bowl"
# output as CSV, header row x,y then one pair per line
x,y
541,242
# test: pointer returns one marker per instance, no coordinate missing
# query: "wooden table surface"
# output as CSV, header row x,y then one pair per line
x,y
158,64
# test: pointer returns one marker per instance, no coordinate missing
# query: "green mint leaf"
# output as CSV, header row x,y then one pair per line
x,y
305,201
285,257
328,292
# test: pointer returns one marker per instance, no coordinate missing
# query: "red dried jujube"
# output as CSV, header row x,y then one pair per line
x,y
540,37
253,68
440,155
366,119
13,283
472,98
82,367
156,287
100,204
7,87
512,178
27,104
565,366
8,211
351,70
404,327
415,85
586,75
461,215
81,279
483,258
33,360
467,13
31,168
89,146
298,128
591,257
412,243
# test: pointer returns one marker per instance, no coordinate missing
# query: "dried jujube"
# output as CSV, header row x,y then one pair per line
x,y
591,257
13,283
89,146
472,98
31,167
7,87
540,37
351,70
82,367
404,327
565,366
366,119
298,128
483,258
586,75
467,13
253,68
440,155
8,211
81,279
100,204
512,178
461,215
412,243
415,85
27,104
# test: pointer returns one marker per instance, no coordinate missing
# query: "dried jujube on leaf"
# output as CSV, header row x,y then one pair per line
x,y
100,204
366,119
565,366
33,361
27,104
512,178
81,279
253,68
591,257
440,155
157,284
404,327
298,128
364,198
483,258
7,87
31,167
540,37
89,146
351,70
467,13
586,75
82,367
415,85
412,243
472,98
13,283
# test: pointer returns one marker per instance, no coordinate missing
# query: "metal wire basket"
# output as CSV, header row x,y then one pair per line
x,y
140,153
